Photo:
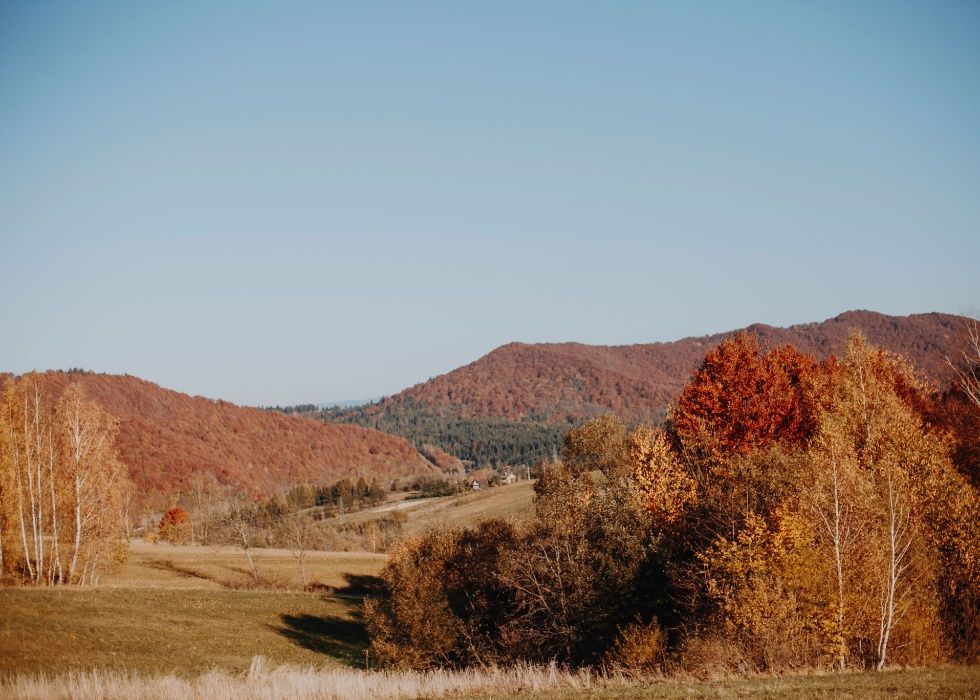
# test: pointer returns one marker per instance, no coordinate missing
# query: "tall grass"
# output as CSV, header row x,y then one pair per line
x,y
289,682
285,683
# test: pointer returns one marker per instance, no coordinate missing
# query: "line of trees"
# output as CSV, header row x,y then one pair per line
x,y
64,496
480,441
791,514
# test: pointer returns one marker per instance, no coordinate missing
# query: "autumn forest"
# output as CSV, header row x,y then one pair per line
x,y
788,513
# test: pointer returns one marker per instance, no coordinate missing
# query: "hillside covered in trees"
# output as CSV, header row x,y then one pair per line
x,y
515,403
791,514
165,437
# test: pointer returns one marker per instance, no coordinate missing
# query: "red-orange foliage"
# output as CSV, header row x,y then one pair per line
x,y
166,437
741,399
175,525
571,382
955,413
446,462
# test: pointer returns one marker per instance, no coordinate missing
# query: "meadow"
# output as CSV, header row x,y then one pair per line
x,y
187,610
185,621
214,568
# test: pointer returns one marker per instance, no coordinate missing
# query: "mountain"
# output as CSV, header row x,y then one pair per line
x,y
165,436
543,386
568,382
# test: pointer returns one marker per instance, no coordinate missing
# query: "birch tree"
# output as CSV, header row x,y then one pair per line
x,y
833,497
239,527
93,475
206,496
966,366
61,484
863,495
302,535
28,455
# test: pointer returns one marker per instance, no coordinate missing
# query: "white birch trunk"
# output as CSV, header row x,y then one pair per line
x,y
899,543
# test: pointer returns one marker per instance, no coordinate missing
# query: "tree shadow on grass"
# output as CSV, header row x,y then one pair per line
x,y
344,639
355,586
187,573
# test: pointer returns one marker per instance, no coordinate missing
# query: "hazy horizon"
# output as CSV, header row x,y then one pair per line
x,y
309,203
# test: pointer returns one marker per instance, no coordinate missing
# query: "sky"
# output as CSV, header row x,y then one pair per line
x,y
280,203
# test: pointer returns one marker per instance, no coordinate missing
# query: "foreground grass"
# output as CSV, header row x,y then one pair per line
x,y
175,622
512,683
186,632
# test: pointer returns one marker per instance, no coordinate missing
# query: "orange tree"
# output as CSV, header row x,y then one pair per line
x,y
175,525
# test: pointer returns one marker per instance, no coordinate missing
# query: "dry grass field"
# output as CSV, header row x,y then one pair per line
x,y
345,684
169,566
186,610
186,632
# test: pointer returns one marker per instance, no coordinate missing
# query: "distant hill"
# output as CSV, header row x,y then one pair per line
x,y
166,436
546,386
568,382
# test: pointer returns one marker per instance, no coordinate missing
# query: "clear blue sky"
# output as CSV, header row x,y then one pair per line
x,y
281,203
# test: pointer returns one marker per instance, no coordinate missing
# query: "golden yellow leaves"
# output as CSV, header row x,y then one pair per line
x,y
666,488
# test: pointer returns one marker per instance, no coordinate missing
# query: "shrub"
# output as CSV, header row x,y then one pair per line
x,y
711,656
639,648
414,627
175,526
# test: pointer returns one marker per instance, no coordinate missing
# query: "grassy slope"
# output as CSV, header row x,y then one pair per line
x,y
466,510
175,609
180,609
173,631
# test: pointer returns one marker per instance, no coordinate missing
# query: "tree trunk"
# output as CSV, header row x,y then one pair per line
x,y
55,553
899,542
23,518
78,528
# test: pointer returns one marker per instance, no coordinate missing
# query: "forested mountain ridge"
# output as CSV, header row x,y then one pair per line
x,y
564,383
166,436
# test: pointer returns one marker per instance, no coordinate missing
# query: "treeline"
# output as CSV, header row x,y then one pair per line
x,y
303,519
342,493
476,440
207,504
64,496
791,514
301,408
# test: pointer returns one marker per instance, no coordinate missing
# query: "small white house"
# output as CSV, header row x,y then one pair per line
x,y
476,485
